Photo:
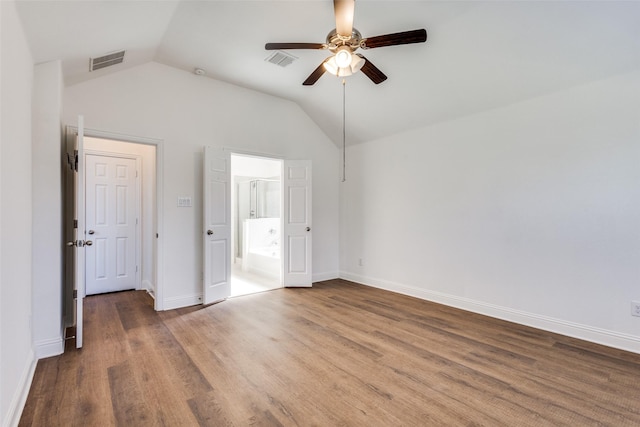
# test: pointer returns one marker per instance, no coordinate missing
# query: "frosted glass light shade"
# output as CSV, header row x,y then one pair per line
x,y
356,63
353,66
343,57
331,66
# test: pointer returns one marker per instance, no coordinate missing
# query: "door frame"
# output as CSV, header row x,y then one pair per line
x,y
159,145
138,202
283,247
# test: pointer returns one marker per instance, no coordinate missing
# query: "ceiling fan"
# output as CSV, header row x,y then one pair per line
x,y
344,40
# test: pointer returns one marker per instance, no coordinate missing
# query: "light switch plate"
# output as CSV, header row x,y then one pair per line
x,y
184,202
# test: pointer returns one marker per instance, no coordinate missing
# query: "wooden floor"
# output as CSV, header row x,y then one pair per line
x,y
335,354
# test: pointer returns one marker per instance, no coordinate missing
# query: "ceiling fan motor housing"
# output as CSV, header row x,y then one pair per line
x,y
335,40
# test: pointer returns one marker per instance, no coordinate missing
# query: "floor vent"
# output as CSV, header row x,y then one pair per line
x,y
281,59
106,60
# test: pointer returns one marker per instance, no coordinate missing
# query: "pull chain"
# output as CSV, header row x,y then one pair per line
x,y
344,133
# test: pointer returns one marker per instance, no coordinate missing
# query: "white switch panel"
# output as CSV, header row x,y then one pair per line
x,y
184,202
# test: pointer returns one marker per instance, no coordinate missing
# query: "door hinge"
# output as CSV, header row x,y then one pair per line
x,y
136,268
75,166
75,223
70,162
75,293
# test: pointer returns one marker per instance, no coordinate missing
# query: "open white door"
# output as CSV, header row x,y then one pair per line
x,y
79,243
217,225
297,234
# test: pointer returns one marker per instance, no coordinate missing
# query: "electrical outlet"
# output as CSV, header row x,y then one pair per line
x,y
635,308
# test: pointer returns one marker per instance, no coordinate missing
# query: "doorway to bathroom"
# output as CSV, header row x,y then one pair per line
x,y
256,204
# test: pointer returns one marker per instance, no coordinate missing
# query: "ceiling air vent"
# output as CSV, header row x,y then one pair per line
x,y
281,59
106,60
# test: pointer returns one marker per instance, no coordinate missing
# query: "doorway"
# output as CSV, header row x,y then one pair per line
x,y
118,261
219,242
256,204
78,237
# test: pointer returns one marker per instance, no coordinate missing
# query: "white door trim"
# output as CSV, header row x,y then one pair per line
x,y
138,205
159,144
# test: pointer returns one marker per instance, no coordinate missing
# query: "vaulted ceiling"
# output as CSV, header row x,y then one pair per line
x,y
479,55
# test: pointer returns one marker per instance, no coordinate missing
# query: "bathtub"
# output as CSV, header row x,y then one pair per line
x,y
264,261
261,247
269,252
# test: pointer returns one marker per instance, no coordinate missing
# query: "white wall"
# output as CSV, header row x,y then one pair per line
x,y
147,155
254,167
188,112
48,328
527,212
17,360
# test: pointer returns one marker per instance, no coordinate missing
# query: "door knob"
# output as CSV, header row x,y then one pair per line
x,y
308,228
88,243
209,232
71,243
91,232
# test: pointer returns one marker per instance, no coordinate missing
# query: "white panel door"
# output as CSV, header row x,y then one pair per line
x,y
217,225
78,243
297,223
111,221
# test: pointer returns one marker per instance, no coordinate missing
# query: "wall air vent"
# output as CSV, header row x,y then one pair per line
x,y
280,58
106,60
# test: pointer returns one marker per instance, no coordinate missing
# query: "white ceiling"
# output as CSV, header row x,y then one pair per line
x,y
479,54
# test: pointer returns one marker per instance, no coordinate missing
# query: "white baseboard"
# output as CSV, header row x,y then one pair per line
x,y
183,301
329,275
20,397
148,286
49,347
588,333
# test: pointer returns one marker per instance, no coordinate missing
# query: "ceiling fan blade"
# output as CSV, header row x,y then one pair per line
x,y
372,71
317,73
280,46
405,37
344,10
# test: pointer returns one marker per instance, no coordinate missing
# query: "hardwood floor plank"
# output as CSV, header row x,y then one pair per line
x,y
159,381
129,409
208,411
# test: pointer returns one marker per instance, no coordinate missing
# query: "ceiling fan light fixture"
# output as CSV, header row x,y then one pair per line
x,y
356,63
338,67
344,72
343,57
331,66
